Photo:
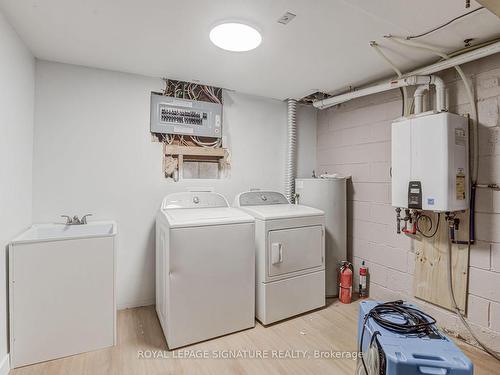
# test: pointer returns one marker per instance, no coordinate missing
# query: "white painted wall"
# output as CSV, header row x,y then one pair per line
x,y
93,153
17,77
355,139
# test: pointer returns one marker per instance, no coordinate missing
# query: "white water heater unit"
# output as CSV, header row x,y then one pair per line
x,y
430,164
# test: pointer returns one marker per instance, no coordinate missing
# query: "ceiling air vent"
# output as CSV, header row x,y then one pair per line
x,y
285,18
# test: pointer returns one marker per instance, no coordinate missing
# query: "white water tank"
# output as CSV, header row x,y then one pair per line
x,y
328,195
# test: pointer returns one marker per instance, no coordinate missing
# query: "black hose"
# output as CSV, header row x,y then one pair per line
x,y
472,208
403,100
415,322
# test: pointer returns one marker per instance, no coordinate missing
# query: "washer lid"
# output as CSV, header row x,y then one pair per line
x,y
195,217
281,211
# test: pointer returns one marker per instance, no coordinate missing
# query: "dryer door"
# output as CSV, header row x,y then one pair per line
x,y
295,249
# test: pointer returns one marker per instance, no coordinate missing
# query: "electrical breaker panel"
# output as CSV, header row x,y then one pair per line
x,y
430,164
185,117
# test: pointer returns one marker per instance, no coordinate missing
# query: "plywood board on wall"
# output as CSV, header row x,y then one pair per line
x,y
431,274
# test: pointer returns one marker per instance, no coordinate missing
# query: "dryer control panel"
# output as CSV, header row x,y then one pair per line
x,y
259,198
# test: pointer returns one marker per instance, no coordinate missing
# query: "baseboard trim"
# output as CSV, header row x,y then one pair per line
x,y
131,305
5,365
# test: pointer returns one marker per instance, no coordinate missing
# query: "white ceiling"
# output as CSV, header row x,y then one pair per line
x,y
324,48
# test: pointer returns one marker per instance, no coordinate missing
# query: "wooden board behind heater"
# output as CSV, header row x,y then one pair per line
x,y
431,261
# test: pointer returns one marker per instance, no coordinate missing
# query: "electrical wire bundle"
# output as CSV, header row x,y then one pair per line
x,y
399,318
216,143
192,91
170,139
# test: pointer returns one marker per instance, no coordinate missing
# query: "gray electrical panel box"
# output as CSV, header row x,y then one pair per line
x,y
185,117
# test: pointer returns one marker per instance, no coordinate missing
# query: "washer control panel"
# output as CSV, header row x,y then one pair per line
x,y
194,200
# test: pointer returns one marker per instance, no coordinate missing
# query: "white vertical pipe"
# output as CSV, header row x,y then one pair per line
x,y
440,93
418,98
291,150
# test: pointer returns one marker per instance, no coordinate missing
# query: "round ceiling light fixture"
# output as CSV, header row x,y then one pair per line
x,y
235,36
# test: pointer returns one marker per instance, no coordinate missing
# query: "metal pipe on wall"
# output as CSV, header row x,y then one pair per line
x,y
291,150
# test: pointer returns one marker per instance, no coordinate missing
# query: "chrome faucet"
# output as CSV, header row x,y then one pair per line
x,y
75,220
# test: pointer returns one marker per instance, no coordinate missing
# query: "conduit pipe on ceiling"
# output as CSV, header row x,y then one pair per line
x,y
291,150
460,59
377,49
402,82
430,69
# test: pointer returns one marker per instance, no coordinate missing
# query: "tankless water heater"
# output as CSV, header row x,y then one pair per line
x,y
430,168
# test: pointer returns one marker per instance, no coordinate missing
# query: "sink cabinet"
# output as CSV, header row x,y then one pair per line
x,y
61,292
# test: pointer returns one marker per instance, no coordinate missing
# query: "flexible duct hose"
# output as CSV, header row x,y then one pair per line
x,y
291,150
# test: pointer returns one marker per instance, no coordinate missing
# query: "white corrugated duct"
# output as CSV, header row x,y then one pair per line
x,y
291,150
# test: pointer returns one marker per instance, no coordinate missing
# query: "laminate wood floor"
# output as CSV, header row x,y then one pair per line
x,y
292,347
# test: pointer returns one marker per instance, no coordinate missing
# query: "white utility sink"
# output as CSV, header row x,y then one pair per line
x,y
56,231
62,291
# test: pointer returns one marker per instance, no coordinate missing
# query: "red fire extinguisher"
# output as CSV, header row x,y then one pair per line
x,y
345,282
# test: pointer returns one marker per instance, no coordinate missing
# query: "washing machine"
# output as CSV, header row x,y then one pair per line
x,y
205,268
290,255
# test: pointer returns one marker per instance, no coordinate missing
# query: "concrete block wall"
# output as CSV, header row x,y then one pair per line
x,y
354,139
